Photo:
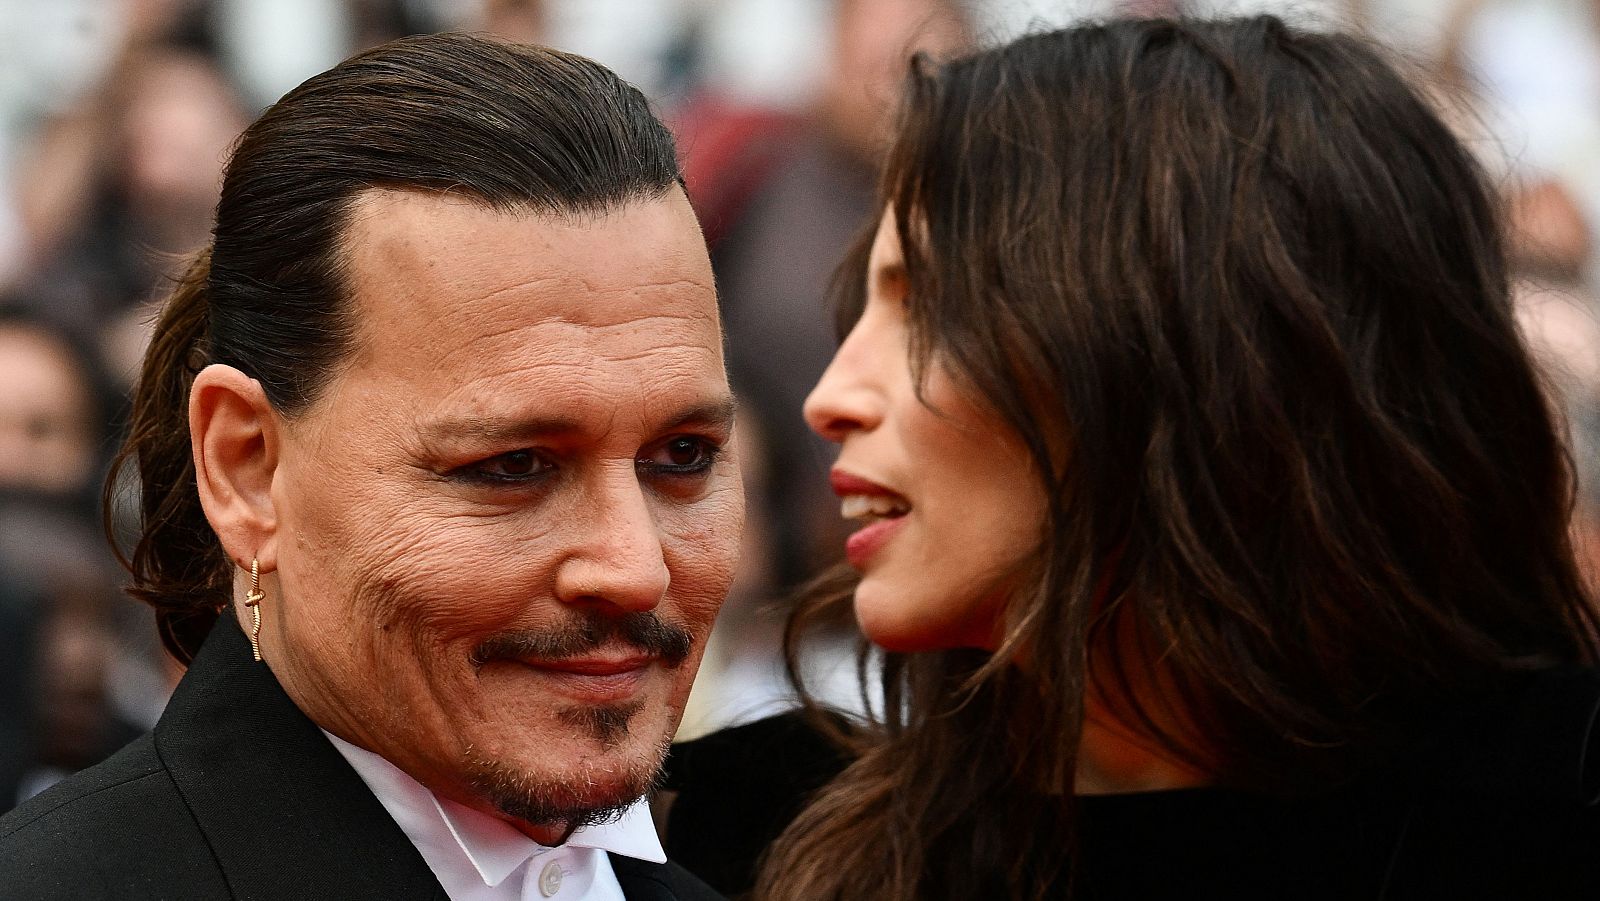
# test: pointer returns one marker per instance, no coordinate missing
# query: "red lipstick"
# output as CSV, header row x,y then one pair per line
x,y
865,543
846,483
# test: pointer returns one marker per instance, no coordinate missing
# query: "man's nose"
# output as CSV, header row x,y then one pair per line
x,y
617,558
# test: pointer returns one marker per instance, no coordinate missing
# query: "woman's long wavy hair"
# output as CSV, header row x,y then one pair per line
x,y
1242,294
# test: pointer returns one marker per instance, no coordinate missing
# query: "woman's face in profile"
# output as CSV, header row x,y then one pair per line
x,y
947,498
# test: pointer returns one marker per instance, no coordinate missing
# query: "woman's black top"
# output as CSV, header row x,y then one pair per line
x,y
1501,805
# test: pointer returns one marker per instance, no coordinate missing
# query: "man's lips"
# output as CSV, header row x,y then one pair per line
x,y
593,666
592,679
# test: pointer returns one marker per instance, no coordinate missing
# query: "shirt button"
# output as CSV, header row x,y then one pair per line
x,y
550,879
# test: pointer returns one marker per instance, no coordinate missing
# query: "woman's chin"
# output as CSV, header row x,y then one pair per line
x,y
902,636
901,620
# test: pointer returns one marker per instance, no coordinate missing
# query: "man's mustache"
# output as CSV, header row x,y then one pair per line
x,y
641,629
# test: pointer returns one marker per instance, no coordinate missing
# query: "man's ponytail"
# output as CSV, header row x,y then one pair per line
x,y
178,565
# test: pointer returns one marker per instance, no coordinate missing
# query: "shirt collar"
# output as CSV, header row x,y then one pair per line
x,y
493,847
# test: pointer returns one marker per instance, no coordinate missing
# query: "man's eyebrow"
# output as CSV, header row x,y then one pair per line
x,y
497,429
718,414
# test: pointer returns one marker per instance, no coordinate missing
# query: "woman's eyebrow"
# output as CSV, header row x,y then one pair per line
x,y
893,272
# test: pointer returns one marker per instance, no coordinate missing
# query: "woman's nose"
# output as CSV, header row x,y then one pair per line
x,y
845,399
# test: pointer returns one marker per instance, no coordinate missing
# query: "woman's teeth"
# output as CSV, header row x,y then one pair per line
x,y
871,506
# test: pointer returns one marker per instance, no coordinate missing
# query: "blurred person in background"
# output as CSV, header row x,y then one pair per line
x,y
147,203
57,587
523,21
62,109
54,427
61,649
1532,68
1524,79
1214,519
1551,248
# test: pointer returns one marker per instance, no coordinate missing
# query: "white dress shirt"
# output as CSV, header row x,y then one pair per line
x,y
480,858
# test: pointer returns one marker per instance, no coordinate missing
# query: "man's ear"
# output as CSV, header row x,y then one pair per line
x,y
233,431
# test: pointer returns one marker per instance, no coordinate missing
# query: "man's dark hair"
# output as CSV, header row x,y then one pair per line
x,y
517,128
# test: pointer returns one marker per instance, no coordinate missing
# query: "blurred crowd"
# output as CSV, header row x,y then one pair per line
x,y
115,121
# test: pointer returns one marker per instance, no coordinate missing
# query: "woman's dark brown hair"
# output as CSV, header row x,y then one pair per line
x,y
517,128
1243,295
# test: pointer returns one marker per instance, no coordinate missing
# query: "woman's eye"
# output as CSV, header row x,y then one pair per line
x,y
684,454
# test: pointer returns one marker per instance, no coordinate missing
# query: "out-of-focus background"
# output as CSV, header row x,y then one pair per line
x,y
115,121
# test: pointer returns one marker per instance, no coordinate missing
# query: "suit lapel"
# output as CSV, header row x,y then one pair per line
x,y
285,815
642,880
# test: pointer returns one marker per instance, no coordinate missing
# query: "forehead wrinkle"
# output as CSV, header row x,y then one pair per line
x,y
586,308
569,345
676,284
532,284
557,368
435,290
692,317
529,353
584,284
427,303
672,363
449,250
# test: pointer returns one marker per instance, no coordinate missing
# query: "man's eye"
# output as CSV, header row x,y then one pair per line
x,y
516,466
681,455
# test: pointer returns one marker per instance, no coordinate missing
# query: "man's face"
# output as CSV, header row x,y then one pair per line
x,y
506,527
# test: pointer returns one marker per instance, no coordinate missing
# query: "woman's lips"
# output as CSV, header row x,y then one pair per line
x,y
883,510
847,483
865,542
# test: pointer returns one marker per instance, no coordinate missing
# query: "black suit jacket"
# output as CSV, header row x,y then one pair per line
x,y
235,794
